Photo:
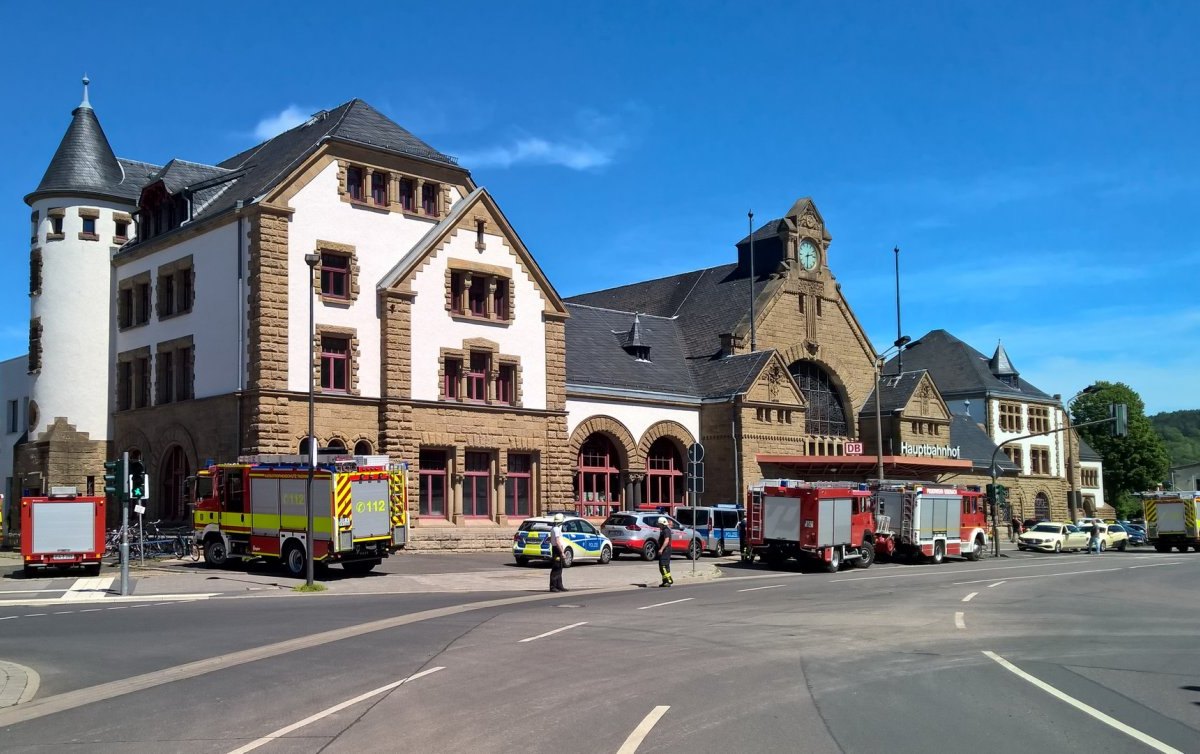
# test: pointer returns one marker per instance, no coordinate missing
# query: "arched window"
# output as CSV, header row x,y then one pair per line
x,y
303,449
363,448
826,415
175,470
336,444
1041,507
597,477
664,474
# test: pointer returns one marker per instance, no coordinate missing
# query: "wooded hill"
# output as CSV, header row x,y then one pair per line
x,y
1180,431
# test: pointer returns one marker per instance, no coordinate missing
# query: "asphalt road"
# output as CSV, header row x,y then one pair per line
x,y
1087,653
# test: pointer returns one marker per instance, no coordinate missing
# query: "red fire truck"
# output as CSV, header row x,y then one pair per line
x,y
930,520
255,508
62,530
831,522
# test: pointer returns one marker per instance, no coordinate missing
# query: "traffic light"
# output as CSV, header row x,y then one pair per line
x,y
1002,496
1120,416
137,480
114,480
991,493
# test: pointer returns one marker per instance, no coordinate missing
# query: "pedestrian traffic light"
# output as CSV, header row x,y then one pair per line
x,y
1120,416
114,480
991,493
137,480
1001,496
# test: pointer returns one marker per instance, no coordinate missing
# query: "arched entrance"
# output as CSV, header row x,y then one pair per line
x,y
597,477
664,474
174,470
826,413
1041,507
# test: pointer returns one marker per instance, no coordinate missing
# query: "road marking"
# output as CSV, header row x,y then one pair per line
x,y
756,588
555,631
1134,733
64,612
30,591
1039,576
91,588
932,571
958,621
660,604
998,583
969,597
122,607
1155,565
91,610
33,615
639,733
327,712
10,617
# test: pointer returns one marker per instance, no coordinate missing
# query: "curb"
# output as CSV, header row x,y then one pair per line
x,y
17,683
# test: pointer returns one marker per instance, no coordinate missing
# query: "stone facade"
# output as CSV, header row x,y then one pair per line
x,y
61,456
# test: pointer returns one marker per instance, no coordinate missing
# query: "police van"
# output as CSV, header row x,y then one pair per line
x,y
717,526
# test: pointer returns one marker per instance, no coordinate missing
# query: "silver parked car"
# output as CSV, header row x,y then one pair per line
x,y
637,532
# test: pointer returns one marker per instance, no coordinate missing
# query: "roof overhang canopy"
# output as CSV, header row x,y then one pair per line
x,y
865,464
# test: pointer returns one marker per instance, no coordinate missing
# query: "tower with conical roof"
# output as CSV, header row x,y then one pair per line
x,y
82,212
1002,367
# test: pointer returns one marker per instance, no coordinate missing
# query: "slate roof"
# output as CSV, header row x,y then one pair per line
x,y
897,391
975,446
1000,364
958,369
177,174
1086,452
84,163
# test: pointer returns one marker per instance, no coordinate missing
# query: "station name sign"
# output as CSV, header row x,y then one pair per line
x,y
929,451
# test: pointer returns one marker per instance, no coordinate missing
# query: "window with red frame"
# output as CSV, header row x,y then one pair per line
x,y
477,488
518,490
597,477
456,292
354,183
452,379
432,482
506,384
500,299
335,275
429,193
477,375
664,475
379,182
406,194
477,296
335,363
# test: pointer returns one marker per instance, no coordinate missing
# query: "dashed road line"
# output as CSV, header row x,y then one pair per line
x,y
661,604
642,730
1038,576
969,597
756,588
998,583
959,623
1156,565
1112,722
555,631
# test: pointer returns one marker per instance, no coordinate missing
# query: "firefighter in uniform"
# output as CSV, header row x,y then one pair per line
x,y
556,555
664,551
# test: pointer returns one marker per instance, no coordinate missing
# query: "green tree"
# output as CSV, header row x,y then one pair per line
x,y
1133,463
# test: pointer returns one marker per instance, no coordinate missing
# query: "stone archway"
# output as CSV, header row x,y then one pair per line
x,y
602,483
606,425
1041,506
170,487
670,429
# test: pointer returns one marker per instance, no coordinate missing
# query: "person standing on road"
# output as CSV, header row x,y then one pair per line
x,y
556,555
664,551
1016,529
1094,541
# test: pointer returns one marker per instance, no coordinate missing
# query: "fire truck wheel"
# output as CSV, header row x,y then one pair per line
x,y
835,560
215,554
977,551
606,555
939,552
1181,548
359,567
92,570
649,551
867,551
1162,548
568,557
293,560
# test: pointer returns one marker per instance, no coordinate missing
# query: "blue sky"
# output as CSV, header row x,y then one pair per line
x,y
1037,163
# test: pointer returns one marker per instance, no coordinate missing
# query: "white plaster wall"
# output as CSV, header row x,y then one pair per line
x,y
637,418
1054,440
15,383
213,321
1098,490
75,308
380,240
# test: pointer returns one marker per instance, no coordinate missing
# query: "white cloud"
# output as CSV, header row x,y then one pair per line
x,y
534,150
290,117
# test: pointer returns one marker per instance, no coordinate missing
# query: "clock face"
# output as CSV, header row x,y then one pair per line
x,y
808,255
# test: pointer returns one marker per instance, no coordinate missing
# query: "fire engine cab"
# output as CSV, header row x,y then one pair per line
x,y
255,508
831,522
932,521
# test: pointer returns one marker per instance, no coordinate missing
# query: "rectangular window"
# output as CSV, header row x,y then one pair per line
x,y
1039,419
166,295
141,301
506,384
35,273
1010,417
477,487
125,308
56,225
122,230
335,275
406,194
1039,460
354,183
433,482
184,370
477,376
166,377
89,225
33,227
500,299
453,379
429,192
379,182
141,375
1090,478
477,296
456,292
124,385
518,487
335,363
1016,456
184,290
12,416
35,345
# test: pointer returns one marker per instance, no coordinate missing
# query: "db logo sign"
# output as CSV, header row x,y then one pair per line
x,y
853,448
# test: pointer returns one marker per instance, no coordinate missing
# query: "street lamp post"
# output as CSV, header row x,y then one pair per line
x,y
1075,494
310,545
880,358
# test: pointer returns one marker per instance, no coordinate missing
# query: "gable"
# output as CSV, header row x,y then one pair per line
x,y
774,385
926,402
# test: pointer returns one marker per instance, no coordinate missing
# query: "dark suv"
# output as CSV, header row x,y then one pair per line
x,y
637,532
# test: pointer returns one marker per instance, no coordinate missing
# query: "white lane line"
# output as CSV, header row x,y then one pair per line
x,y
33,615
639,733
327,712
1155,565
64,612
1134,733
30,591
1039,576
91,610
958,621
969,597
756,588
998,583
660,604
935,571
122,607
555,631
10,617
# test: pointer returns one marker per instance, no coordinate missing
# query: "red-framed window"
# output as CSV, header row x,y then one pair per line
x,y
518,489
335,363
379,182
664,474
429,192
477,296
335,275
432,482
506,384
477,376
354,183
500,299
406,194
477,484
456,292
452,379
597,478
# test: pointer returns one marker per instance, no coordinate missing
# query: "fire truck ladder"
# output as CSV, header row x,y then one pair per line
x,y
755,519
906,517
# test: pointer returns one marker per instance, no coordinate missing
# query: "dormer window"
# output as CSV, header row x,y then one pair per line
x,y
379,182
429,202
354,183
407,191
